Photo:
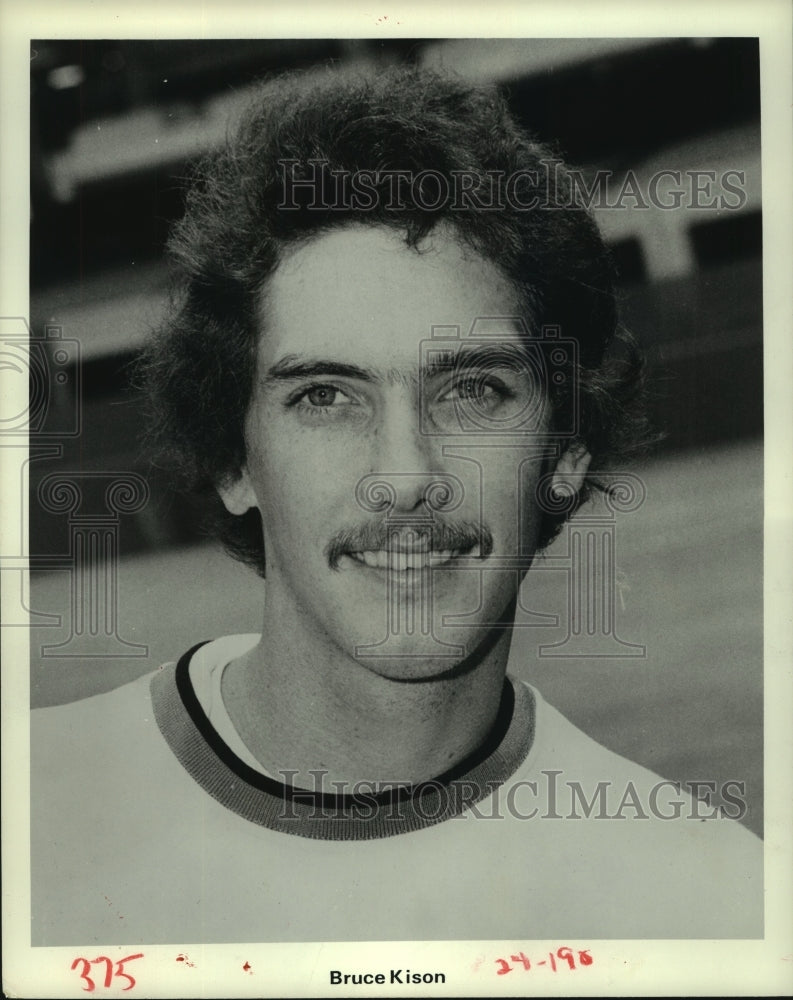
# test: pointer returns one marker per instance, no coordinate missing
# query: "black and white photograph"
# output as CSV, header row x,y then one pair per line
x,y
394,455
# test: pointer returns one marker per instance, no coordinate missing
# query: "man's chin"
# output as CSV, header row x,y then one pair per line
x,y
410,666
445,652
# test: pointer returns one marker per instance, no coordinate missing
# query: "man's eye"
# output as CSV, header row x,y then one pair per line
x,y
325,395
469,388
473,388
323,401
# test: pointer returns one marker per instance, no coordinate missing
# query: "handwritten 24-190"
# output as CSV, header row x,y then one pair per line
x,y
550,960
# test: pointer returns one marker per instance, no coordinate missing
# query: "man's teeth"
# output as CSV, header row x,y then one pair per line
x,y
400,561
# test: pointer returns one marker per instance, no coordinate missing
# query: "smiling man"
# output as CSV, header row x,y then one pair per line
x,y
388,374
335,409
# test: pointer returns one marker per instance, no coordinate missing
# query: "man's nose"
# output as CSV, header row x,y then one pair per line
x,y
407,474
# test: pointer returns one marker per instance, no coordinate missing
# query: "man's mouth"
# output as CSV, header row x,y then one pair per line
x,y
415,558
407,548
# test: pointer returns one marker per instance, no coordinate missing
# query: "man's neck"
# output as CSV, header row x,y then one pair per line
x,y
315,716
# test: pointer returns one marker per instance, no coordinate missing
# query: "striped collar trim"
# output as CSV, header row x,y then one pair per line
x,y
367,814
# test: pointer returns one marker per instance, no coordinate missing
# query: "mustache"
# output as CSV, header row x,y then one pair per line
x,y
439,536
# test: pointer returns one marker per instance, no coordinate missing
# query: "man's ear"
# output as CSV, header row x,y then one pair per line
x,y
237,493
570,470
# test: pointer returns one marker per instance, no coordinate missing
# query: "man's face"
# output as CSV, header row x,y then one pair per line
x,y
390,494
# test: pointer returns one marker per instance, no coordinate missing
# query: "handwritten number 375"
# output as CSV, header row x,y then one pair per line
x,y
110,974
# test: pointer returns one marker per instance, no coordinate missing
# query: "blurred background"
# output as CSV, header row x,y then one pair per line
x,y
115,124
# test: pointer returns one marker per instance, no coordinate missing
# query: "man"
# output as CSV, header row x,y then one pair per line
x,y
387,374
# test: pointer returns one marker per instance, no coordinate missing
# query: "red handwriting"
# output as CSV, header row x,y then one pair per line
x,y
110,973
563,954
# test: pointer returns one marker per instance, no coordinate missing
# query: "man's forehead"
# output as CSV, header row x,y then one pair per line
x,y
359,293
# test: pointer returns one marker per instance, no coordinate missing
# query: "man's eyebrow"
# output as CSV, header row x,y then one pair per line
x,y
441,361
435,362
292,368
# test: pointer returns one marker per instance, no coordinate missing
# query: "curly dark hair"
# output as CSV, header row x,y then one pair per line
x,y
199,367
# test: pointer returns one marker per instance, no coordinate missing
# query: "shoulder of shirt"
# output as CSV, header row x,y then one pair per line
x,y
215,650
560,743
560,746
114,725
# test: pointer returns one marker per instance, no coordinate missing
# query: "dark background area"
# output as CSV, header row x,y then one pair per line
x,y
114,128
